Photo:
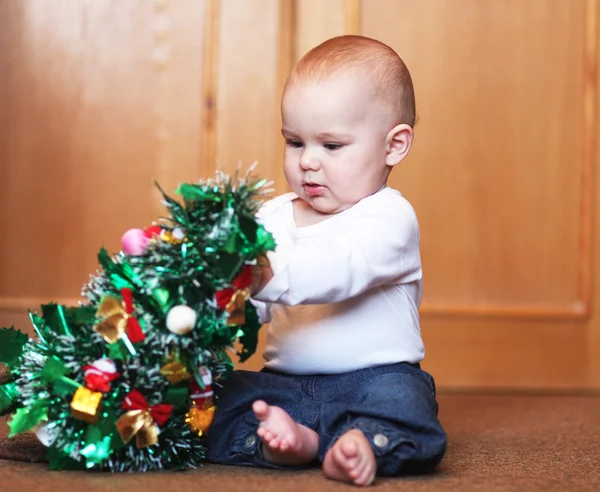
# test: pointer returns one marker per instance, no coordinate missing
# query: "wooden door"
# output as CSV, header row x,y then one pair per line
x,y
100,96
502,178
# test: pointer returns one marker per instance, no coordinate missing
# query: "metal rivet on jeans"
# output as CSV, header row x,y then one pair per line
x,y
380,440
250,441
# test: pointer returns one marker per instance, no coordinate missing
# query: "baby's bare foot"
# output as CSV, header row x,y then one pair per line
x,y
351,460
285,442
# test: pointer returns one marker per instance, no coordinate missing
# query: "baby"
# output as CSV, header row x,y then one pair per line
x,y
342,384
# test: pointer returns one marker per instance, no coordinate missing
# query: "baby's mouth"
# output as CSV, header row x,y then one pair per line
x,y
313,189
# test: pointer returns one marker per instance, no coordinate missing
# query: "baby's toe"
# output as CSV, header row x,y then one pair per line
x,y
275,442
366,477
261,409
350,449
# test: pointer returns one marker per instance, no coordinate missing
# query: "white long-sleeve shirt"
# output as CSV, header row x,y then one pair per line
x,y
346,291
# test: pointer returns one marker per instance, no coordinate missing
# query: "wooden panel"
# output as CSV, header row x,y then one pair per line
x,y
318,21
497,168
98,98
502,177
249,75
466,353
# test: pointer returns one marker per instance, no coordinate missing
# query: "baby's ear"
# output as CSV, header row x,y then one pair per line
x,y
397,144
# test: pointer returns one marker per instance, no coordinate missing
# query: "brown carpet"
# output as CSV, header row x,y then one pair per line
x,y
496,443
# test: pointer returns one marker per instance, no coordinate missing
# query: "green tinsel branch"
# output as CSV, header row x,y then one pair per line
x,y
218,235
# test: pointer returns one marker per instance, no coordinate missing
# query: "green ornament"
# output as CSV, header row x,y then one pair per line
x,y
97,446
264,239
229,264
121,274
118,350
178,396
27,418
191,192
53,369
161,296
65,387
54,315
11,345
249,338
40,327
231,246
248,227
177,211
8,395
82,315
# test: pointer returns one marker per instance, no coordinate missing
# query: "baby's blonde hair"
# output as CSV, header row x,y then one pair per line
x,y
380,64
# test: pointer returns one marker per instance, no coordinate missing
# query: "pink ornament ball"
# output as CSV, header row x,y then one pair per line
x,y
134,242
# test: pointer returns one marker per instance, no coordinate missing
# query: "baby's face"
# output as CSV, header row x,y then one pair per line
x,y
335,142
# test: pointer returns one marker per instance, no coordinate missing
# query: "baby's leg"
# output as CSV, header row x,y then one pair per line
x,y
285,442
234,436
393,410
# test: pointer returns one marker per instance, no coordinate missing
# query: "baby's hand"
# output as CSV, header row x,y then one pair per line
x,y
261,274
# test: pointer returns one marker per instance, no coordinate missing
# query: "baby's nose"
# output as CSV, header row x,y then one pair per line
x,y
308,162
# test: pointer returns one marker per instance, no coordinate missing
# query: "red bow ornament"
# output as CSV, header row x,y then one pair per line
x,y
233,299
117,318
142,420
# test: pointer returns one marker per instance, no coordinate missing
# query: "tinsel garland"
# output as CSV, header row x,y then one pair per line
x,y
123,381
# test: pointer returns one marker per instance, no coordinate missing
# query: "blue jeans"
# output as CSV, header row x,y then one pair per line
x,y
393,405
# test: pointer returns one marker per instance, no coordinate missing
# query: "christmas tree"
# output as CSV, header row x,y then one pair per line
x,y
123,382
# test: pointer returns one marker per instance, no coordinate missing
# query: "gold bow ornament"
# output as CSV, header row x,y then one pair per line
x,y
142,420
117,318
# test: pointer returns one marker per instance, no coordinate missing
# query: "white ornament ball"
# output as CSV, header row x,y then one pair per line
x,y
181,319
178,234
107,366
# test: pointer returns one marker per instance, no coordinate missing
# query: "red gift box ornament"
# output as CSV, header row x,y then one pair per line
x,y
233,299
100,374
142,420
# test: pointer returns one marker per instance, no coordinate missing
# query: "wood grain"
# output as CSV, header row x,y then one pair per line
x,y
99,98
499,165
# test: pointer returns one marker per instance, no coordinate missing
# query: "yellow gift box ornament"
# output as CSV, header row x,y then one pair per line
x,y
85,404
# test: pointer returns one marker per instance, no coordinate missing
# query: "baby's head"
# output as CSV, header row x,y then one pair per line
x,y
348,109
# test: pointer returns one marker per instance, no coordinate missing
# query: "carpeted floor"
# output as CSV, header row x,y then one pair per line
x,y
496,443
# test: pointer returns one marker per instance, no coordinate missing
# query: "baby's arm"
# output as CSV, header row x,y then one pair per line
x,y
380,248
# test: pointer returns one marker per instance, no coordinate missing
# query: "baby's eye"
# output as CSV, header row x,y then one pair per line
x,y
297,144
332,146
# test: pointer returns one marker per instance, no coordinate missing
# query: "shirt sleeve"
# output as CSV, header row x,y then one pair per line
x,y
378,247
